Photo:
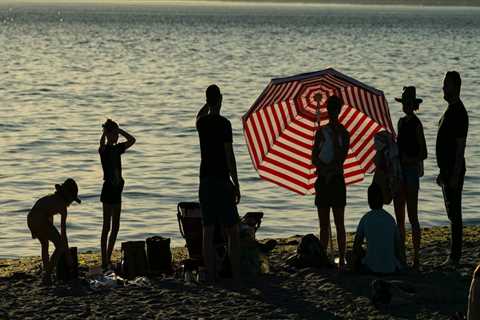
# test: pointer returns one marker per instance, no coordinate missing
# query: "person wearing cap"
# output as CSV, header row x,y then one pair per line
x,y
450,153
412,152
40,223
329,152
110,155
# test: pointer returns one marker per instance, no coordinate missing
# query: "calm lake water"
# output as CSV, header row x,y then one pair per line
x,y
65,69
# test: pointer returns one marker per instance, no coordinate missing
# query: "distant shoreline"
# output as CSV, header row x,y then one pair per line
x,y
416,3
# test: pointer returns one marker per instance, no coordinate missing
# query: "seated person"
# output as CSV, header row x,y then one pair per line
x,y
253,260
40,223
248,227
384,252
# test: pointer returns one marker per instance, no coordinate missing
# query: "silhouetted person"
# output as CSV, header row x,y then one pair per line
x,y
110,154
329,152
412,151
40,223
219,190
385,252
450,149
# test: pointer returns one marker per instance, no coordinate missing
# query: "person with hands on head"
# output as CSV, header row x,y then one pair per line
x,y
40,223
110,155
219,190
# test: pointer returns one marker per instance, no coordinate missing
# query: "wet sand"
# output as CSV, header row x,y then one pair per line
x,y
284,293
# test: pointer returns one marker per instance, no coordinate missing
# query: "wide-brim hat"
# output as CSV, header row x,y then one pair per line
x,y
69,189
409,95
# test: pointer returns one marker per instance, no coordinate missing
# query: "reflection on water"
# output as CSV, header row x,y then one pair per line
x,y
65,69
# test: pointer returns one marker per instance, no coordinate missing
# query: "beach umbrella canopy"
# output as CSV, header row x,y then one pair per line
x,y
280,126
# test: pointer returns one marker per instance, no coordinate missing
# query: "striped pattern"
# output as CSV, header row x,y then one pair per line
x,y
280,127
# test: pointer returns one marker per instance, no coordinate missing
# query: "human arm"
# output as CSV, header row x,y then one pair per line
x,y
423,154
130,139
316,149
399,247
203,111
102,142
345,146
63,227
359,236
458,165
232,169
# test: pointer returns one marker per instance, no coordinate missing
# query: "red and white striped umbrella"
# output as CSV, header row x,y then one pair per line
x,y
280,127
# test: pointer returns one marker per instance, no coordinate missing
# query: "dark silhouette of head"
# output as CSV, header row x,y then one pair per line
x,y
214,98
409,100
334,106
110,128
68,191
451,86
375,198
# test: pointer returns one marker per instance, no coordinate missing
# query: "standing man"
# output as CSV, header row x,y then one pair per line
x,y
450,150
219,189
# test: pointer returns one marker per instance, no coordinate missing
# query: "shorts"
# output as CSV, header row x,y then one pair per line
x,y
411,177
217,202
112,194
332,194
43,229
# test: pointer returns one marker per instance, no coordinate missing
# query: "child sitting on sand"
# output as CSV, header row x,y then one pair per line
x,y
40,223
384,252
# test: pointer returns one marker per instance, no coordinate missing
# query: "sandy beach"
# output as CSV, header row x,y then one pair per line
x,y
283,293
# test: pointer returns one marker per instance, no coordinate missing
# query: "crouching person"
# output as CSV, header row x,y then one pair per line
x,y
385,252
40,223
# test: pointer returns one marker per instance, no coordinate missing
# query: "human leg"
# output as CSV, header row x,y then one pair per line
x,y
399,203
454,211
116,210
324,221
53,235
208,251
107,216
412,209
45,258
339,217
233,236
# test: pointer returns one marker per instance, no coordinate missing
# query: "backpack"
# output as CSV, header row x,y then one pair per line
x,y
134,259
64,273
310,253
159,255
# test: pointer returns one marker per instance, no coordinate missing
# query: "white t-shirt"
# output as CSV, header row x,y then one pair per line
x,y
381,232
